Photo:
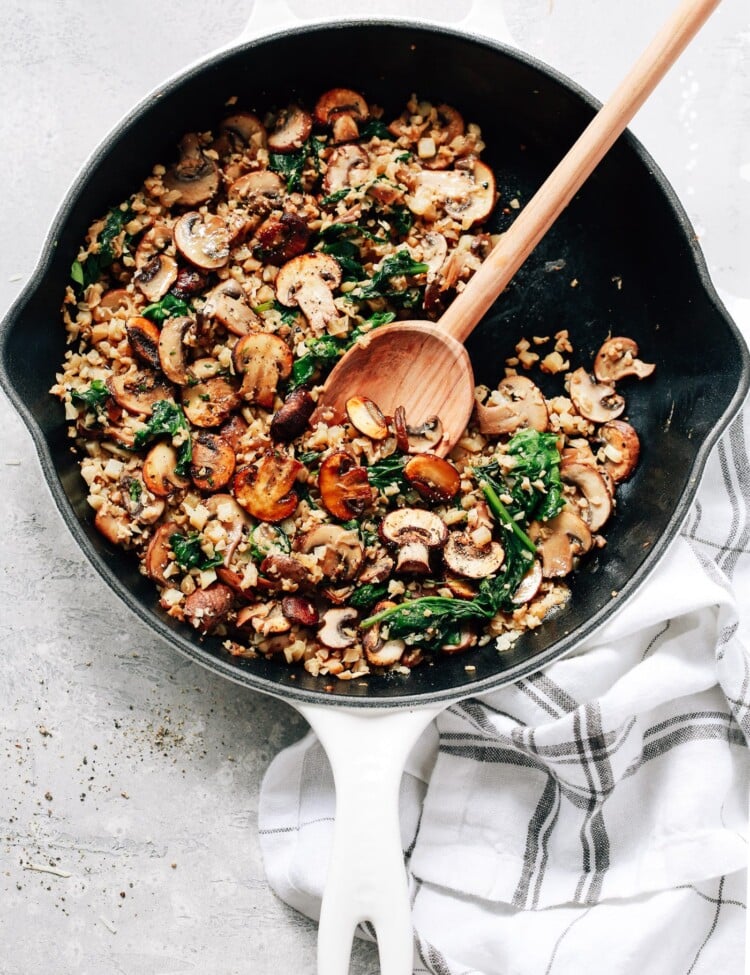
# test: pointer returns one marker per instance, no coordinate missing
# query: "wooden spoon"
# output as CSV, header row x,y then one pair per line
x,y
424,367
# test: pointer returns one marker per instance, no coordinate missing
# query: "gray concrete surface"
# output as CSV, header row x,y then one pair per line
x,y
129,778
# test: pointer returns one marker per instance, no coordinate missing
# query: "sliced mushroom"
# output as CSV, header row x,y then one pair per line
x,y
291,128
348,165
338,550
344,486
595,401
307,282
593,487
283,571
559,541
469,560
235,521
194,177
171,348
190,281
280,238
365,416
156,271
381,652
434,251
143,339
259,192
160,471
518,404
227,304
111,302
266,619
433,477
416,532
621,448
206,608
117,529
300,610
617,358
466,639
291,419
233,431
342,109
202,239
138,390
468,197
211,402
377,571
243,130
262,359
264,489
212,463
529,585
159,552
417,440
337,630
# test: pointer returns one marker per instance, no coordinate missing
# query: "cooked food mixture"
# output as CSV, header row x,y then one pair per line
x,y
203,315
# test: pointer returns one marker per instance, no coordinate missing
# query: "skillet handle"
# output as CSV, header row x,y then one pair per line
x,y
366,880
485,19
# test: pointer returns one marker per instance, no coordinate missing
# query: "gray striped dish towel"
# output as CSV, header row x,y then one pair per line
x,y
591,818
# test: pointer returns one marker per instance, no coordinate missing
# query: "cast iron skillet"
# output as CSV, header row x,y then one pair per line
x,y
625,240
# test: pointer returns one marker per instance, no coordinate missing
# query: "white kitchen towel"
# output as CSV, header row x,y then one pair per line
x,y
593,817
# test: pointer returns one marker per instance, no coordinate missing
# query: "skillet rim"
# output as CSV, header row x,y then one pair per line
x,y
279,687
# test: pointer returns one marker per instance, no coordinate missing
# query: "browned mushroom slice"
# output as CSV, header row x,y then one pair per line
x,y
292,126
595,401
265,490
417,440
593,487
235,521
213,462
529,585
243,130
138,390
291,419
379,651
143,339
416,533
156,272
366,417
342,109
160,471
206,608
307,282
115,528
300,610
466,639
377,571
194,176
211,402
280,238
452,123
348,165
518,404
171,347
559,542
433,477
621,449
617,358
344,486
233,431
338,628
338,550
262,358
190,281
111,302
227,304
434,251
159,552
467,197
259,192
202,239
472,561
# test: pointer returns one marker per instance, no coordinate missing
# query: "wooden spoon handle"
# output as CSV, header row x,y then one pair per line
x,y
466,311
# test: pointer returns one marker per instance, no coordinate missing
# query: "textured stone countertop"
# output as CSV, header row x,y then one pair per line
x,y
129,778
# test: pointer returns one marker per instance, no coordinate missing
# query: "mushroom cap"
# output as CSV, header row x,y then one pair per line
x,y
403,525
156,276
559,541
344,486
417,440
264,489
160,470
380,652
159,552
435,478
472,561
594,489
348,165
521,405
291,128
171,348
206,608
281,237
529,585
143,339
210,402
617,358
340,101
138,390
290,420
343,553
213,462
227,304
262,358
595,401
334,624
194,176
260,190
621,449
244,128
467,197
202,239
304,270
366,416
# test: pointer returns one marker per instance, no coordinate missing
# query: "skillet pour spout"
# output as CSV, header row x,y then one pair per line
x,y
529,115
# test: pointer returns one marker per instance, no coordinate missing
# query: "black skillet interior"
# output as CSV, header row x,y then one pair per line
x,y
621,260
